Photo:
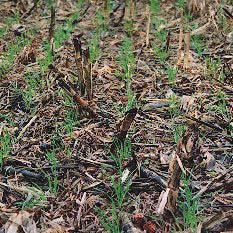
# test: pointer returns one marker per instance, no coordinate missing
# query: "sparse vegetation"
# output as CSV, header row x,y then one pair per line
x,y
105,105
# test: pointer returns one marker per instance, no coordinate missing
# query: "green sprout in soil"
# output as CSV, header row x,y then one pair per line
x,y
188,206
5,146
52,178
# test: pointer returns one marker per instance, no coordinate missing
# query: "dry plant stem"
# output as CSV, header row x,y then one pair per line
x,y
52,23
132,9
123,129
219,177
187,51
26,127
82,202
77,99
106,9
168,41
148,26
173,183
181,37
88,74
79,63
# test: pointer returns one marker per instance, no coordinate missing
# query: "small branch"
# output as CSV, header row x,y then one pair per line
x,y
26,127
148,26
52,23
187,51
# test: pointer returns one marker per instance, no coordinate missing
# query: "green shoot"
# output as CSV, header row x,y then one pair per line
x,y
5,146
53,180
188,206
171,73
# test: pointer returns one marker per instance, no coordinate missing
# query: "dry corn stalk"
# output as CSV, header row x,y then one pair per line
x,y
84,67
132,9
148,26
181,37
69,88
187,51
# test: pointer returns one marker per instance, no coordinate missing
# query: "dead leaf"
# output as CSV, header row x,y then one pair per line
x,y
209,161
22,219
125,175
162,201
187,103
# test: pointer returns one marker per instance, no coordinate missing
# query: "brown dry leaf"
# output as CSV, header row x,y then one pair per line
x,y
125,175
22,219
187,103
159,103
162,201
201,30
209,161
226,199
57,229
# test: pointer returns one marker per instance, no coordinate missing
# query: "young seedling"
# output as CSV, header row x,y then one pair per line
x,y
110,219
189,206
9,56
173,106
171,74
178,131
5,146
53,180
126,60
35,198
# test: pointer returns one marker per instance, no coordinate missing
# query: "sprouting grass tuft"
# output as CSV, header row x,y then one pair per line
x,y
171,74
110,219
5,146
53,180
13,49
188,206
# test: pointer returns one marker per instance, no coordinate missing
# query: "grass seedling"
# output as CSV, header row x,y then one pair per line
x,y
131,103
212,67
160,53
197,44
171,74
5,146
110,219
64,31
178,131
35,198
32,81
155,6
71,118
221,106
173,106
95,51
120,190
13,49
188,206
53,180
48,58
129,27
8,22
123,152
100,28
126,60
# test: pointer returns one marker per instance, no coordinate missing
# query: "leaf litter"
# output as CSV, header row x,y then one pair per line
x,y
89,143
